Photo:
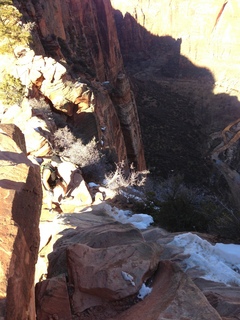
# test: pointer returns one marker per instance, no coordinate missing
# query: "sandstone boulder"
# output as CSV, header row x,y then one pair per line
x,y
37,131
104,263
59,298
77,189
111,273
225,299
174,296
97,260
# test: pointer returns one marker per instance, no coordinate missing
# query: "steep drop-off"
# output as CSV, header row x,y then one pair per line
x,y
183,62
82,37
208,31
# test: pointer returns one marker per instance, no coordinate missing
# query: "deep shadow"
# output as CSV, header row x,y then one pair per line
x,y
13,158
75,181
177,108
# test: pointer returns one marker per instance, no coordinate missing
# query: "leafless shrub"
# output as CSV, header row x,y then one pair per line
x,y
63,141
87,156
118,179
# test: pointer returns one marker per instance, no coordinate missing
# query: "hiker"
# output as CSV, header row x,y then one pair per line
x,y
51,179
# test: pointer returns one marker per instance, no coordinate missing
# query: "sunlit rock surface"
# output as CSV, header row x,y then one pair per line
x,y
21,196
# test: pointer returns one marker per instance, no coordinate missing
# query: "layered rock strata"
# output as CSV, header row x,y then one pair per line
x,y
98,267
85,78
207,32
21,196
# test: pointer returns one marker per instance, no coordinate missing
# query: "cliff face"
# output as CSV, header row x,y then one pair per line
x,y
208,32
82,32
21,197
183,59
82,37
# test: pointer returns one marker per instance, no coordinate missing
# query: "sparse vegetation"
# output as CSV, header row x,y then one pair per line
x,y
11,90
121,178
86,156
176,207
173,205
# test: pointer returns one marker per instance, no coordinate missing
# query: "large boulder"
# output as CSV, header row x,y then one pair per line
x,y
59,299
21,196
103,269
77,190
173,296
109,274
102,261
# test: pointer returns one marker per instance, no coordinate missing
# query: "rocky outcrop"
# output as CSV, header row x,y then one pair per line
x,y
21,196
102,269
77,192
37,128
181,299
88,42
81,84
76,100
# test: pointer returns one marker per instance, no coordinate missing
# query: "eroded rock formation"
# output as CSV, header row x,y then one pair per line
x,y
21,198
85,82
97,267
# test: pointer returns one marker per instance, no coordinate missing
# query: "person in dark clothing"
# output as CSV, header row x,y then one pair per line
x,y
51,178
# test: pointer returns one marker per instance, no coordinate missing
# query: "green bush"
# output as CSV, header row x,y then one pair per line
x,y
13,32
11,90
180,214
226,225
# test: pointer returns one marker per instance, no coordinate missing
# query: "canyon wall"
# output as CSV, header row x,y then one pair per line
x,y
82,37
208,31
183,60
21,199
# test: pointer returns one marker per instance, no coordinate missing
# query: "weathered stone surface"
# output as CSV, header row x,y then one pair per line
x,y
37,131
125,104
98,272
102,238
89,39
89,44
15,134
53,298
100,269
173,296
77,190
122,131
101,235
225,299
95,247
21,195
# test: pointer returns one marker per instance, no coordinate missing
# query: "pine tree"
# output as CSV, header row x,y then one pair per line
x,y
12,30
11,90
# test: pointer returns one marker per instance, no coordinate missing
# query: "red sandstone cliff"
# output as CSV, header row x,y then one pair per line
x,y
81,35
208,31
21,196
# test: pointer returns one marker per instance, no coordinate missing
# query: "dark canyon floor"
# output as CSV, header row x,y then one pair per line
x,y
178,116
